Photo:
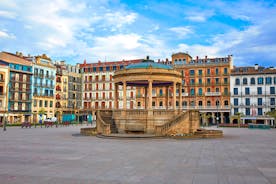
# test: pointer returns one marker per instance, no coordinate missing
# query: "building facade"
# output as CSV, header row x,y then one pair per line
x,y
20,87
206,85
253,94
98,85
44,73
4,81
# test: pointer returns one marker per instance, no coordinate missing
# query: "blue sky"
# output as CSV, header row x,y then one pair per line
x,y
74,30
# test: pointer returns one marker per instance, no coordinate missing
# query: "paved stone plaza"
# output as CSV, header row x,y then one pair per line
x,y
61,155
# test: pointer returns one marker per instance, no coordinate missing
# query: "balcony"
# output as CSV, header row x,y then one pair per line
x,y
212,93
185,94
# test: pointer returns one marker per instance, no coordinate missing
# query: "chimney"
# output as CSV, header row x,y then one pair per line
x,y
167,60
147,57
196,58
158,60
206,57
17,53
256,66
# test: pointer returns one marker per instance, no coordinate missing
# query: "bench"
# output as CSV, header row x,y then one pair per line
x,y
26,125
258,126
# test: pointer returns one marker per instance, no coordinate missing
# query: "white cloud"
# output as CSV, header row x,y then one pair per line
x,y
4,34
182,31
7,14
127,46
199,15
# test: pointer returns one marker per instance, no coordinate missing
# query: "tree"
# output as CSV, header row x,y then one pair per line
x,y
205,118
273,115
239,115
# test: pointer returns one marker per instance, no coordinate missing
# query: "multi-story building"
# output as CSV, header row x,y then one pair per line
x,y
98,85
253,94
74,86
44,73
206,85
4,81
20,86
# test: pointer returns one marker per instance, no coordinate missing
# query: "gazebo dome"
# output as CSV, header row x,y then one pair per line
x,y
147,63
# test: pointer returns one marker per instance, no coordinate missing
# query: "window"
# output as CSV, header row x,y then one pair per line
x,y
272,101
252,80
192,72
45,103
101,68
94,69
225,80
200,91
217,103
217,71
121,67
237,81
208,71
247,91
268,80
244,80
199,103
161,92
35,103
226,103
217,89
153,104
199,81
236,110
160,104
177,103
225,91
40,103
260,101
184,103
139,103
272,90
51,103
107,68
225,71
217,80
247,101
199,72
114,67
260,111
192,81
236,91
208,103
259,90
236,101
260,80
192,92
274,80
208,81
247,111
208,90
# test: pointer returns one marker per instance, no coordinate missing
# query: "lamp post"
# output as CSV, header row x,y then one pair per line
x,y
6,108
217,118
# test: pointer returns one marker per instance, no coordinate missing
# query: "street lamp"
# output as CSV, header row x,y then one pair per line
x,y
217,118
6,108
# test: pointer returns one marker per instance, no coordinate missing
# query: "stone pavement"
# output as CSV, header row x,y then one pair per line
x,y
61,155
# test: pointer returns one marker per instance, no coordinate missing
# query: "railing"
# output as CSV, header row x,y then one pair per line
x,y
102,127
212,93
163,129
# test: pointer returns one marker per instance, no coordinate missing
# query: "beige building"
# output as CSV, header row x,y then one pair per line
x,y
4,81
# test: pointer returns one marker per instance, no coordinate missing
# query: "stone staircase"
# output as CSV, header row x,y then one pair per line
x,y
106,116
184,123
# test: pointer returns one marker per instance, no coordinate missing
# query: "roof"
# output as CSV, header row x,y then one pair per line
x,y
149,64
12,58
249,70
110,63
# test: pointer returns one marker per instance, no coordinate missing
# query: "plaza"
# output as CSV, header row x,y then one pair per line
x,y
61,155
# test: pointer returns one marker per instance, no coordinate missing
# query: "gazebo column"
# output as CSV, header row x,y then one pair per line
x,y
116,97
174,95
167,97
180,97
149,106
146,98
124,95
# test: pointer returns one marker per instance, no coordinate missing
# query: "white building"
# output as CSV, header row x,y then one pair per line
x,y
253,94
98,85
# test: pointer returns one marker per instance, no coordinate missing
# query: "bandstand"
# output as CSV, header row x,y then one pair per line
x,y
148,120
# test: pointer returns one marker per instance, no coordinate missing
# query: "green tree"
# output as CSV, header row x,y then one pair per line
x,y
205,118
239,115
273,115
